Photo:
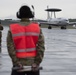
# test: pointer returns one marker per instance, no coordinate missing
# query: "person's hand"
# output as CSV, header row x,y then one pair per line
x,y
34,67
19,65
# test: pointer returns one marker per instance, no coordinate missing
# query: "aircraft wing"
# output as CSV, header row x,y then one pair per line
x,y
44,23
72,23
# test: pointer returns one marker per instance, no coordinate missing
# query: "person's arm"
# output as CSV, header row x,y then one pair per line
x,y
11,49
40,49
1,27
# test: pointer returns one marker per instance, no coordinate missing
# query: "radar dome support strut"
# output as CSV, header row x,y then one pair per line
x,y
52,10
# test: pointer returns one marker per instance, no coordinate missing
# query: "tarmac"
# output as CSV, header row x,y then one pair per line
x,y
59,56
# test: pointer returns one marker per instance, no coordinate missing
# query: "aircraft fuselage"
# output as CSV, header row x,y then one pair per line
x,y
58,21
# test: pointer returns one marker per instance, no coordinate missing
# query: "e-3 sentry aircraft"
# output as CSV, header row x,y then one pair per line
x,y
53,21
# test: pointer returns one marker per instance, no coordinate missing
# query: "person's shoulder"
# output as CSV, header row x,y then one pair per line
x,y
14,24
36,23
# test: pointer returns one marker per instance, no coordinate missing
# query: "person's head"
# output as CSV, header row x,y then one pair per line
x,y
24,12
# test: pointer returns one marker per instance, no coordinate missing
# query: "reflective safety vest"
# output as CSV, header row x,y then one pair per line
x,y
25,39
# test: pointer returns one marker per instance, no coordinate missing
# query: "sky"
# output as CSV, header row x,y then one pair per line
x,y
8,8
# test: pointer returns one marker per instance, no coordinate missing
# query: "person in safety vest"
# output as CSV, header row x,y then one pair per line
x,y
25,42
1,28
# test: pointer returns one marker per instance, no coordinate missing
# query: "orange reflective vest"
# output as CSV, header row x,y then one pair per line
x,y
25,39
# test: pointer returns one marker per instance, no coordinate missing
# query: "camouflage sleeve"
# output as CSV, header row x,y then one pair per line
x,y
40,49
10,48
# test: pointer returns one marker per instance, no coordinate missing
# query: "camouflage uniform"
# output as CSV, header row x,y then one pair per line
x,y
26,61
1,28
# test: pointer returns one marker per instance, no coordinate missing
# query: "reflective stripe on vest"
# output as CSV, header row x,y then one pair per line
x,y
26,34
25,39
26,50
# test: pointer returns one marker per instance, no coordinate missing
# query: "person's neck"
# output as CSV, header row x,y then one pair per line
x,y
25,20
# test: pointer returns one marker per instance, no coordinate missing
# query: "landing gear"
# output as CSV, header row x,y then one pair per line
x,y
63,27
49,27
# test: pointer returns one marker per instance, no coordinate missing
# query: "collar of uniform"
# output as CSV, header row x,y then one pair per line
x,y
25,20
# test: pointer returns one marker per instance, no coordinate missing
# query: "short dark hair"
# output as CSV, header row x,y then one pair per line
x,y
24,12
